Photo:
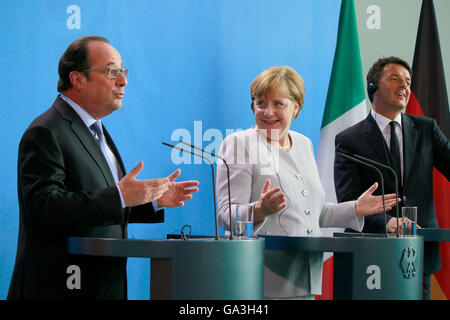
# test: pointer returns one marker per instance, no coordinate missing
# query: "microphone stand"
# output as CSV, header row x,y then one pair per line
x,y
379,172
213,181
228,180
396,183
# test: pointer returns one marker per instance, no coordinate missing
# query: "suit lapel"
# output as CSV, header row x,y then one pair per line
x,y
375,139
122,172
114,150
409,145
85,137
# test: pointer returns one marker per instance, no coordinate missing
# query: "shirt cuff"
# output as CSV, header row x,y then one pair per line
x,y
359,221
155,206
121,197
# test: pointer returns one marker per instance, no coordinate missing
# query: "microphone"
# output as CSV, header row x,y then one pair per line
x,y
228,180
395,179
213,181
377,170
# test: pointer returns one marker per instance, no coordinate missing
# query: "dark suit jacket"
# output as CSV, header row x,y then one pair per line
x,y
65,188
424,146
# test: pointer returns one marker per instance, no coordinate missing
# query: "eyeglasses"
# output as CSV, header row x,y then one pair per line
x,y
112,73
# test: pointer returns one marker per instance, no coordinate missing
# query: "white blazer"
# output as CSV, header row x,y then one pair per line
x,y
251,161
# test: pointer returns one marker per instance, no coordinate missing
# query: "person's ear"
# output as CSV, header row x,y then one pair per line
x,y
77,79
296,111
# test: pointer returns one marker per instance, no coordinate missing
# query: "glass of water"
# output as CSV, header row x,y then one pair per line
x,y
243,228
409,221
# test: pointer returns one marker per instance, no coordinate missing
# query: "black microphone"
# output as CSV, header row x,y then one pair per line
x,y
395,179
228,180
213,181
377,170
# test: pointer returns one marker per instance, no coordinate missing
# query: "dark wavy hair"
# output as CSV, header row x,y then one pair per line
x,y
377,68
75,58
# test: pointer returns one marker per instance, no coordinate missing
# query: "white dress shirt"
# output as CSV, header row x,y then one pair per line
x,y
383,124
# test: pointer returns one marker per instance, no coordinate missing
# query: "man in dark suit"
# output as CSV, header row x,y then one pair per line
x,y
72,182
410,145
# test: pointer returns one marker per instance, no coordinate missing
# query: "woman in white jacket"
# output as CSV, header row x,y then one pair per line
x,y
273,169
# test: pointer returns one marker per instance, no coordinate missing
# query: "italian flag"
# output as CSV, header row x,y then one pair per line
x,y
345,106
429,98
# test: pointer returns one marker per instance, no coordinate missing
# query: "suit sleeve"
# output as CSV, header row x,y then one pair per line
x,y
441,151
43,192
349,184
146,213
342,215
347,180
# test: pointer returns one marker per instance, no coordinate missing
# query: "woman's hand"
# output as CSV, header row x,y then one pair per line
x,y
270,201
368,204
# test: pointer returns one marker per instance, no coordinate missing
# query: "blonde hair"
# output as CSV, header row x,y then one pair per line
x,y
276,77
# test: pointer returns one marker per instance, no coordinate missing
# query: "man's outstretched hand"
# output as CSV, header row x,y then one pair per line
x,y
177,192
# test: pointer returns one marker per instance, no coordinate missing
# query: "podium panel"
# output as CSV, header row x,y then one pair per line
x,y
382,269
197,269
366,267
434,234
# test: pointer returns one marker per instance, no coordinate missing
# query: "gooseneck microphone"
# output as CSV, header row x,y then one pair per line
x,y
228,179
395,179
379,173
213,181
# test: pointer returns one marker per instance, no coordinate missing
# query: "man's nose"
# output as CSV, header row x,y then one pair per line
x,y
404,83
122,80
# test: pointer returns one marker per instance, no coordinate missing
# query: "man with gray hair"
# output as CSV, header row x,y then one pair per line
x,y
72,183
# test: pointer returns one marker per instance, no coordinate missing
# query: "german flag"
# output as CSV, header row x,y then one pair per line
x,y
429,98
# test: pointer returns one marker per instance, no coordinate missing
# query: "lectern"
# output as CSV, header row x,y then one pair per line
x,y
434,234
197,269
366,267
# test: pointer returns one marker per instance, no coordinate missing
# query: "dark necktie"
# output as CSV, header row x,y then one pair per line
x,y
395,151
99,136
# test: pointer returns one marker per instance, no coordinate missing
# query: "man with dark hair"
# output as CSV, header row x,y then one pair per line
x,y
75,58
410,145
377,69
72,183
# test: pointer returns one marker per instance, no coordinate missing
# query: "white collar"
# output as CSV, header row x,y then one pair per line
x,y
84,115
383,122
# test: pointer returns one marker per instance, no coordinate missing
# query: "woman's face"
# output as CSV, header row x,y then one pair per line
x,y
274,112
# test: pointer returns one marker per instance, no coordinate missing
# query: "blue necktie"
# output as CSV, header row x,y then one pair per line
x,y
98,130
